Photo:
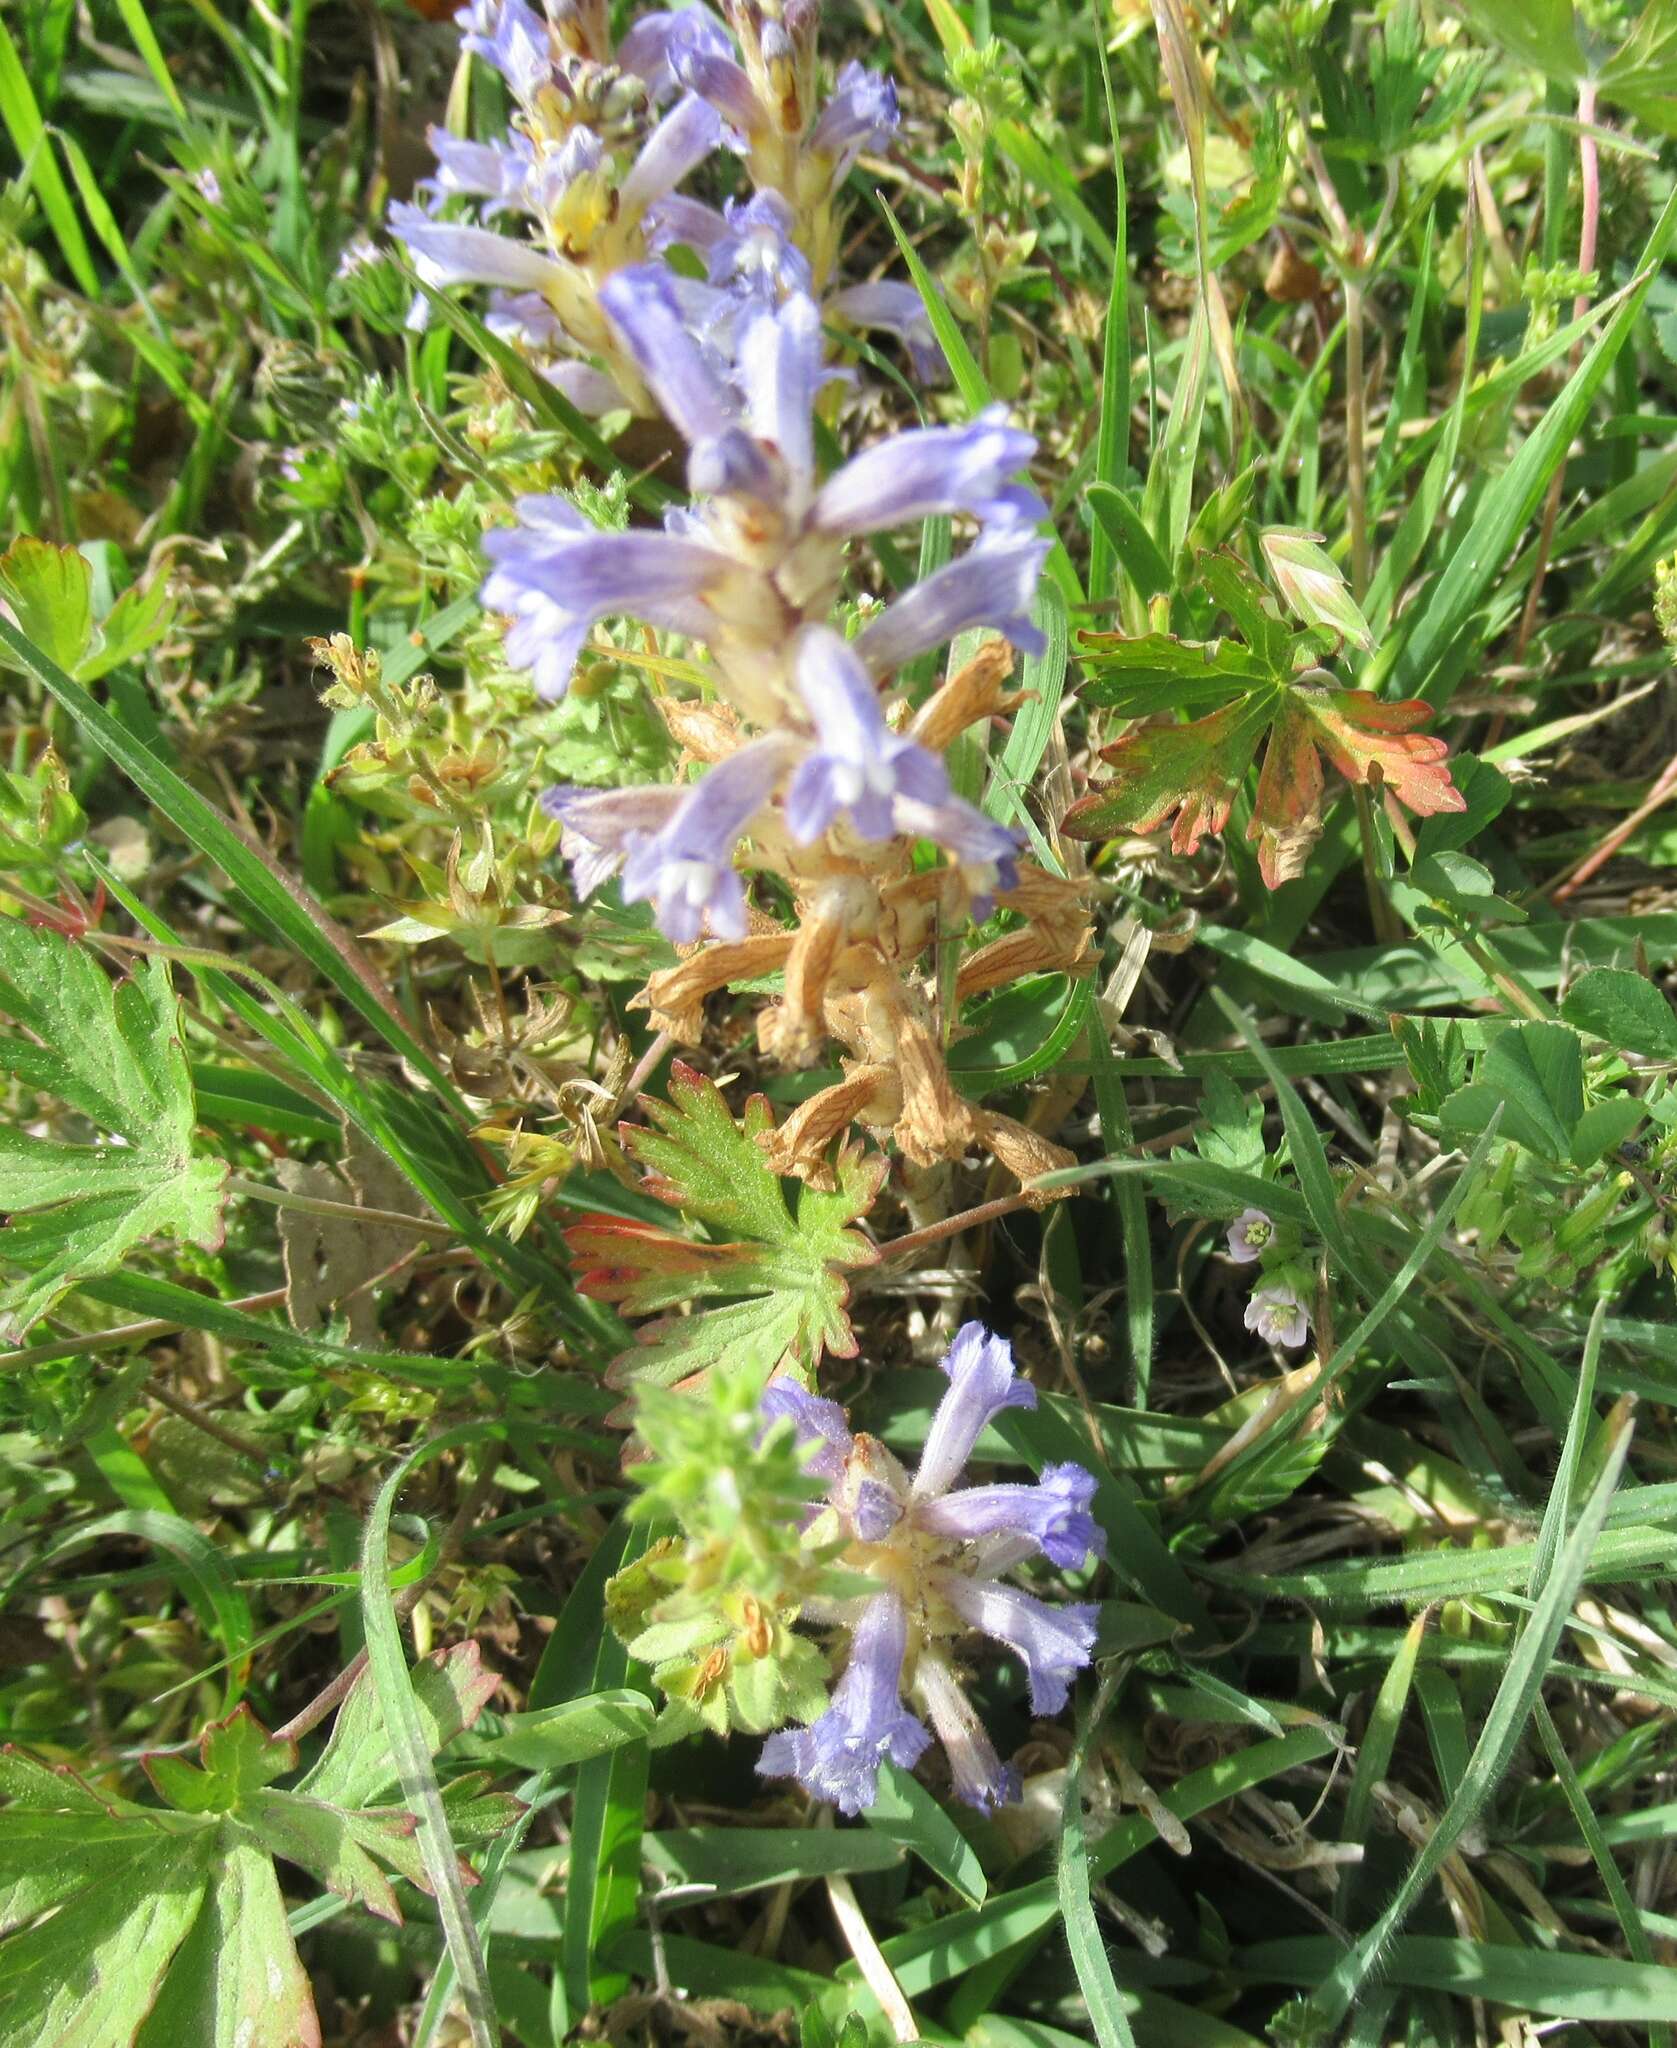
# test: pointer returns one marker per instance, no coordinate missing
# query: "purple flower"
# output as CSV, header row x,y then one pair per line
x,y
980,1777
686,868
447,252
688,134
761,555
497,171
602,826
645,49
860,764
951,1548
816,1422
982,1382
698,61
839,1757
1278,1315
897,309
509,36
754,254
556,575
993,584
986,853
861,115
1249,1233
689,381
927,470
1053,1643
1053,1514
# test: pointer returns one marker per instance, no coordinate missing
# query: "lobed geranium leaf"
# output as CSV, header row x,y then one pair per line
x,y
782,1274
50,592
130,1926
1192,772
111,1052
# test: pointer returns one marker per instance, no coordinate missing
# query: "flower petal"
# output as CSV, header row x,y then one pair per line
x,y
816,1422
980,1777
1054,1643
686,870
839,1757
982,1382
688,380
926,470
993,584
1053,1514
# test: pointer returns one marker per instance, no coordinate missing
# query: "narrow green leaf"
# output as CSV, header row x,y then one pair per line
x,y
1503,1726
409,1746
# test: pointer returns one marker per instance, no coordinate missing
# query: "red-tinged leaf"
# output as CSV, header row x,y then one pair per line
x,y
1191,772
635,1265
782,1270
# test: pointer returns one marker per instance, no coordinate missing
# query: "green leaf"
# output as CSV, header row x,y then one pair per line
x,y
788,1263
1190,774
50,589
1625,1009
553,1738
1135,550
162,1926
1465,886
1535,1074
111,1052
907,1813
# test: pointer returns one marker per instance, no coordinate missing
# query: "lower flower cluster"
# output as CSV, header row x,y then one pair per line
x,y
902,1569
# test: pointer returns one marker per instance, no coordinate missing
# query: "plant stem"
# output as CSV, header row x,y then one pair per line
x,y
343,1212
1356,433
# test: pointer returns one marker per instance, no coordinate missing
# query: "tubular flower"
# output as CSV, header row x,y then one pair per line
x,y
763,552
752,571
589,155
938,1553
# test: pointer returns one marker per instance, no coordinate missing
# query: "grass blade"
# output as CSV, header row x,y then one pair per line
x,y
1510,1711
388,1665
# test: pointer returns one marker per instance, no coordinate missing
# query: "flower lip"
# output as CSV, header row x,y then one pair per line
x,y
1053,1643
838,1757
860,765
982,1382
1054,1515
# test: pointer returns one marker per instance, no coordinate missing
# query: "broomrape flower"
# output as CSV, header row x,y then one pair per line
x,y
575,177
762,554
937,1553
752,571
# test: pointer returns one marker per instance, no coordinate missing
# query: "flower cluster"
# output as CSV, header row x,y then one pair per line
x,y
938,1556
1278,1311
818,774
586,178
906,1567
